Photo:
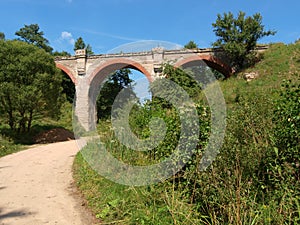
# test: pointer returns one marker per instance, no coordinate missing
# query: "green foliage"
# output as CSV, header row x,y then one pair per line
x,y
67,83
29,84
238,37
89,50
191,45
279,62
68,87
2,36
153,204
184,79
8,147
287,117
109,91
32,35
66,117
229,193
80,44
282,165
255,178
63,53
119,204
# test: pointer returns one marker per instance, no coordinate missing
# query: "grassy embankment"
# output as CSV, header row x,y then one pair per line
x,y
254,180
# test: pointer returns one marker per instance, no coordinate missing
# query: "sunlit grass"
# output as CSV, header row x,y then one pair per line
x,y
232,190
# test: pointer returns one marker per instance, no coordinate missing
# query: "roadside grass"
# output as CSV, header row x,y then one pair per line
x,y
248,183
114,203
11,141
7,147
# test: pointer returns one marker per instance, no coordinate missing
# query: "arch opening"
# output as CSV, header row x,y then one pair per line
x,y
104,70
212,62
68,87
67,72
108,80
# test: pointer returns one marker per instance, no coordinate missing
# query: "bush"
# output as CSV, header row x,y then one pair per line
x,y
282,164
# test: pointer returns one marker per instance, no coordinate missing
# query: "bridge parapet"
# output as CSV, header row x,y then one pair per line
x,y
82,53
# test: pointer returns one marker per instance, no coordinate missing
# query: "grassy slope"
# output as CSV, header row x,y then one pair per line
x,y
117,204
279,62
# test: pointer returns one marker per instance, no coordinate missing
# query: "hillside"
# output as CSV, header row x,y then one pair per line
x,y
280,62
255,178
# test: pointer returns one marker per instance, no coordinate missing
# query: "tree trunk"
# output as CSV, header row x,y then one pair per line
x,y
29,120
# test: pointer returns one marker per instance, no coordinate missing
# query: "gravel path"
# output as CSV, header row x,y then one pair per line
x,y
36,187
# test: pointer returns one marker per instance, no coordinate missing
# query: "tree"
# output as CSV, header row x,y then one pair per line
x,y
80,44
2,36
109,91
63,53
89,50
191,45
68,87
29,84
180,76
32,35
67,84
238,37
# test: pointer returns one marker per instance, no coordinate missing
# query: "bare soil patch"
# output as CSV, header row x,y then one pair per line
x,y
53,135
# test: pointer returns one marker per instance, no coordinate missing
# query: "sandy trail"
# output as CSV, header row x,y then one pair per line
x,y
36,187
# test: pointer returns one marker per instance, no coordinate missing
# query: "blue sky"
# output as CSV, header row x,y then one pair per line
x,y
107,24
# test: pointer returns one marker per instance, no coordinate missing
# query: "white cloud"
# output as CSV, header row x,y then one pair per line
x,y
68,37
110,35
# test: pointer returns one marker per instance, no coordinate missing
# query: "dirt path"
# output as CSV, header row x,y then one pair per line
x,y
36,187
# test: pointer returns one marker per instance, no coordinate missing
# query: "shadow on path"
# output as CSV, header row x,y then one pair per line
x,y
15,213
3,167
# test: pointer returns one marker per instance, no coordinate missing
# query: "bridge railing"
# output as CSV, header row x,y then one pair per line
x,y
82,52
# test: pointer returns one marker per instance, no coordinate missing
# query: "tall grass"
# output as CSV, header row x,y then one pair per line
x,y
254,180
8,147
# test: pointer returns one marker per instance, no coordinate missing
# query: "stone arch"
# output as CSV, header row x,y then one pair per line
x,y
210,60
115,64
98,75
67,71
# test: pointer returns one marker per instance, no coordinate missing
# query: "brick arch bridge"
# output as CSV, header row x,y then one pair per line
x,y
87,72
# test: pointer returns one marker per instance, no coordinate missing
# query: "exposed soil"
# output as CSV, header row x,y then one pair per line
x,y
36,186
53,135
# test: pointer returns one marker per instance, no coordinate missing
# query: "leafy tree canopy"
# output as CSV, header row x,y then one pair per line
x,y
185,77
80,44
238,36
32,35
109,91
63,53
2,36
29,85
191,45
89,50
